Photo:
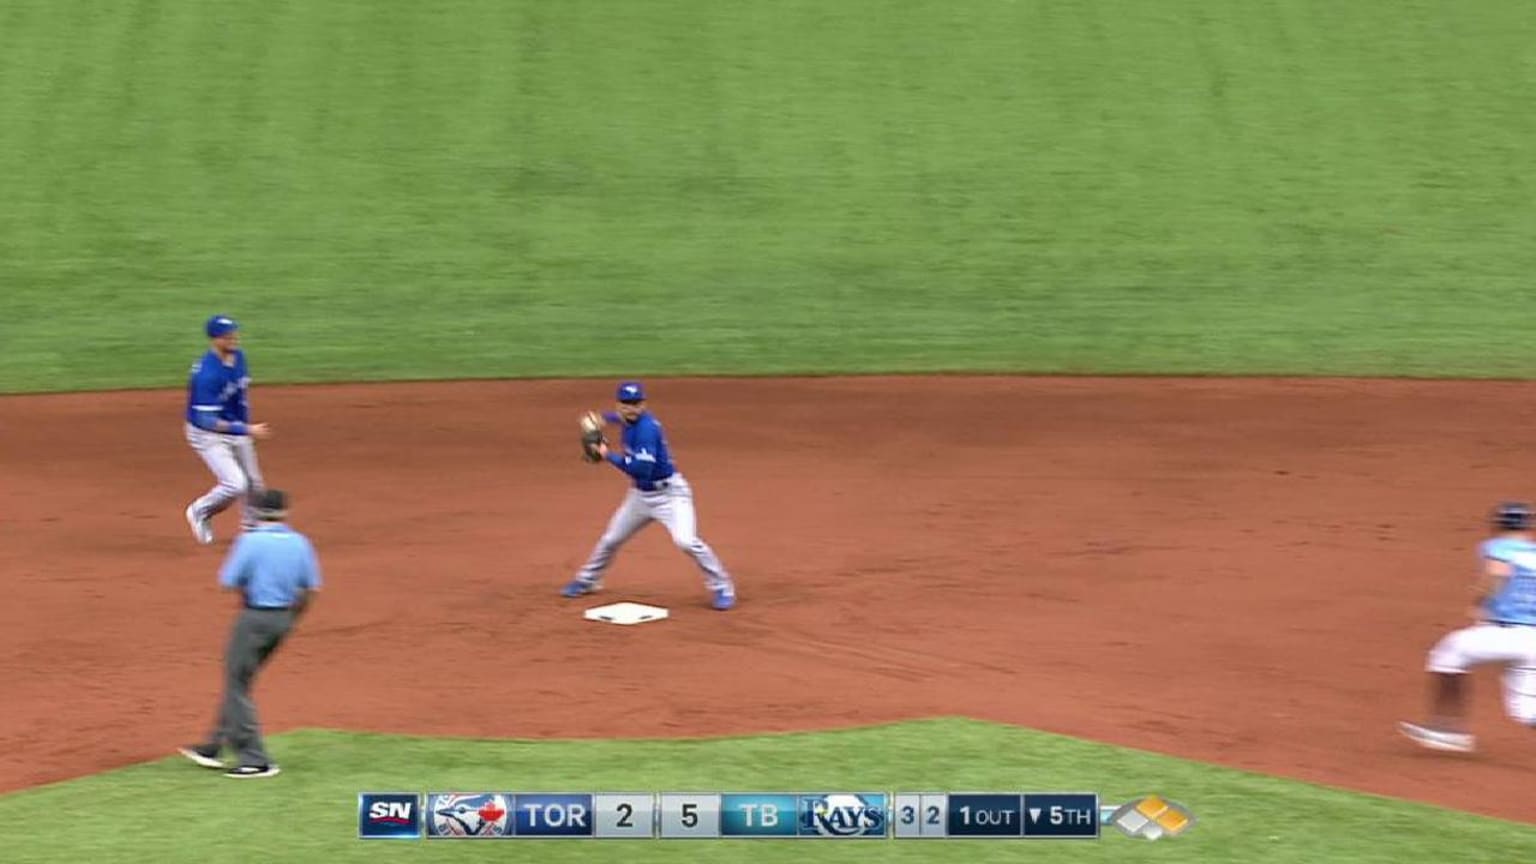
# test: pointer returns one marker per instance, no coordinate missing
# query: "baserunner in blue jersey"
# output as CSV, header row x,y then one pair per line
x,y
219,429
659,493
1504,632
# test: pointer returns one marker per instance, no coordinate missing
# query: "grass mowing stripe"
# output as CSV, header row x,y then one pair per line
x,y
172,812
513,188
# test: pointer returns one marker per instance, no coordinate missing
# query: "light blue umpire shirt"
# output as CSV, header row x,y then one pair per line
x,y
272,564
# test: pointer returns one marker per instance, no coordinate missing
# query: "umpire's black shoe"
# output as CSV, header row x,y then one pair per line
x,y
207,757
241,772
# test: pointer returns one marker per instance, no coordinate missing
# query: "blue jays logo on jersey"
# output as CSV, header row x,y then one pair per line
x,y
843,815
459,815
234,387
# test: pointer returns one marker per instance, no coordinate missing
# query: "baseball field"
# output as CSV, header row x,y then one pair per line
x,y
1098,396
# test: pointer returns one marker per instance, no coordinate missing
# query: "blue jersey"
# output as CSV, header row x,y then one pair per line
x,y
1515,602
218,392
646,458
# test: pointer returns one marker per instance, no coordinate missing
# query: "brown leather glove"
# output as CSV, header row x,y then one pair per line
x,y
592,436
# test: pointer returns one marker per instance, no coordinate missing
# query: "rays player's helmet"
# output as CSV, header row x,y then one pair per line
x,y
1513,516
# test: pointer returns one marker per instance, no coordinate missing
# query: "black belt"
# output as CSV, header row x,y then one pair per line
x,y
658,485
269,608
1510,624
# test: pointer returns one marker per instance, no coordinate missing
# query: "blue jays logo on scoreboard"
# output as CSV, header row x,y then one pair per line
x,y
486,814
843,814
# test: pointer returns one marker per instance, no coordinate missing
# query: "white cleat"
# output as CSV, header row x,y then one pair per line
x,y
245,772
1434,739
200,527
200,758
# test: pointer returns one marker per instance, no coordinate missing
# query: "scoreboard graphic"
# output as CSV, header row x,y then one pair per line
x,y
819,815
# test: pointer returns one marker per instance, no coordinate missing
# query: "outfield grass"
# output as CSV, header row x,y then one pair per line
x,y
386,189
171,812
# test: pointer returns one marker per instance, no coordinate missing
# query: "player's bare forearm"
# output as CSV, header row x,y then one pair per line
x,y
1489,583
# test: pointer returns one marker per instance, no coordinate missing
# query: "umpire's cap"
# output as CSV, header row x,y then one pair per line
x,y
1513,516
272,505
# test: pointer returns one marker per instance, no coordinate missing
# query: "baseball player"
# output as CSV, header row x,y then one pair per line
x,y
218,427
1503,632
659,493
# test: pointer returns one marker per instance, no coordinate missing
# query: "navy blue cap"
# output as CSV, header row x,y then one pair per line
x,y
1513,516
630,391
220,325
272,505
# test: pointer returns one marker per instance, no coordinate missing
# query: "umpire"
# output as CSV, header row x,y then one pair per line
x,y
275,569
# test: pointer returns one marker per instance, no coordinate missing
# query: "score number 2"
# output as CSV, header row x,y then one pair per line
x,y
909,815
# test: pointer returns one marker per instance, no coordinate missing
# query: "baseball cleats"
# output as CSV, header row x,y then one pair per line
x,y
725,598
202,756
200,527
1435,739
580,588
246,772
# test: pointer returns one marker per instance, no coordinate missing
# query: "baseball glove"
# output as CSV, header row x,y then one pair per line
x,y
592,436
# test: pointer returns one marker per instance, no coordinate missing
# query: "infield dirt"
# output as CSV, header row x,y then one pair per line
x,y
1246,572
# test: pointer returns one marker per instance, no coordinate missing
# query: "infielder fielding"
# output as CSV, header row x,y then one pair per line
x,y
660,494
1504,632
219,429
276,572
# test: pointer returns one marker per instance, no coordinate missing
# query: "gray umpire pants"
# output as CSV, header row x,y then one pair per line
x,y
256,634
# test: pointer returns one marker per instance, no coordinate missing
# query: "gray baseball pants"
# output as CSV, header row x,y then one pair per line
x,y
256,634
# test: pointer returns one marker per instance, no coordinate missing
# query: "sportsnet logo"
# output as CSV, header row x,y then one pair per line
x,y
485,814
389,816
842,815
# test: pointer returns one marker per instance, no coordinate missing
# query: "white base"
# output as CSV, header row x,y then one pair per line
x,y
625,613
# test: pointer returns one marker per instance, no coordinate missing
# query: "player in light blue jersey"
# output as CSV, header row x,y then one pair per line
x,y
219,429
1504,632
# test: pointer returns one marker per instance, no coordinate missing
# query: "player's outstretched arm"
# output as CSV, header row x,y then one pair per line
x,y
1495,572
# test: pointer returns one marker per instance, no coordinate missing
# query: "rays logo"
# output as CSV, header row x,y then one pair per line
x,y
459,815
842,815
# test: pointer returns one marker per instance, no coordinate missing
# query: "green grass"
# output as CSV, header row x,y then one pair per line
x,y
171,812
389,189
